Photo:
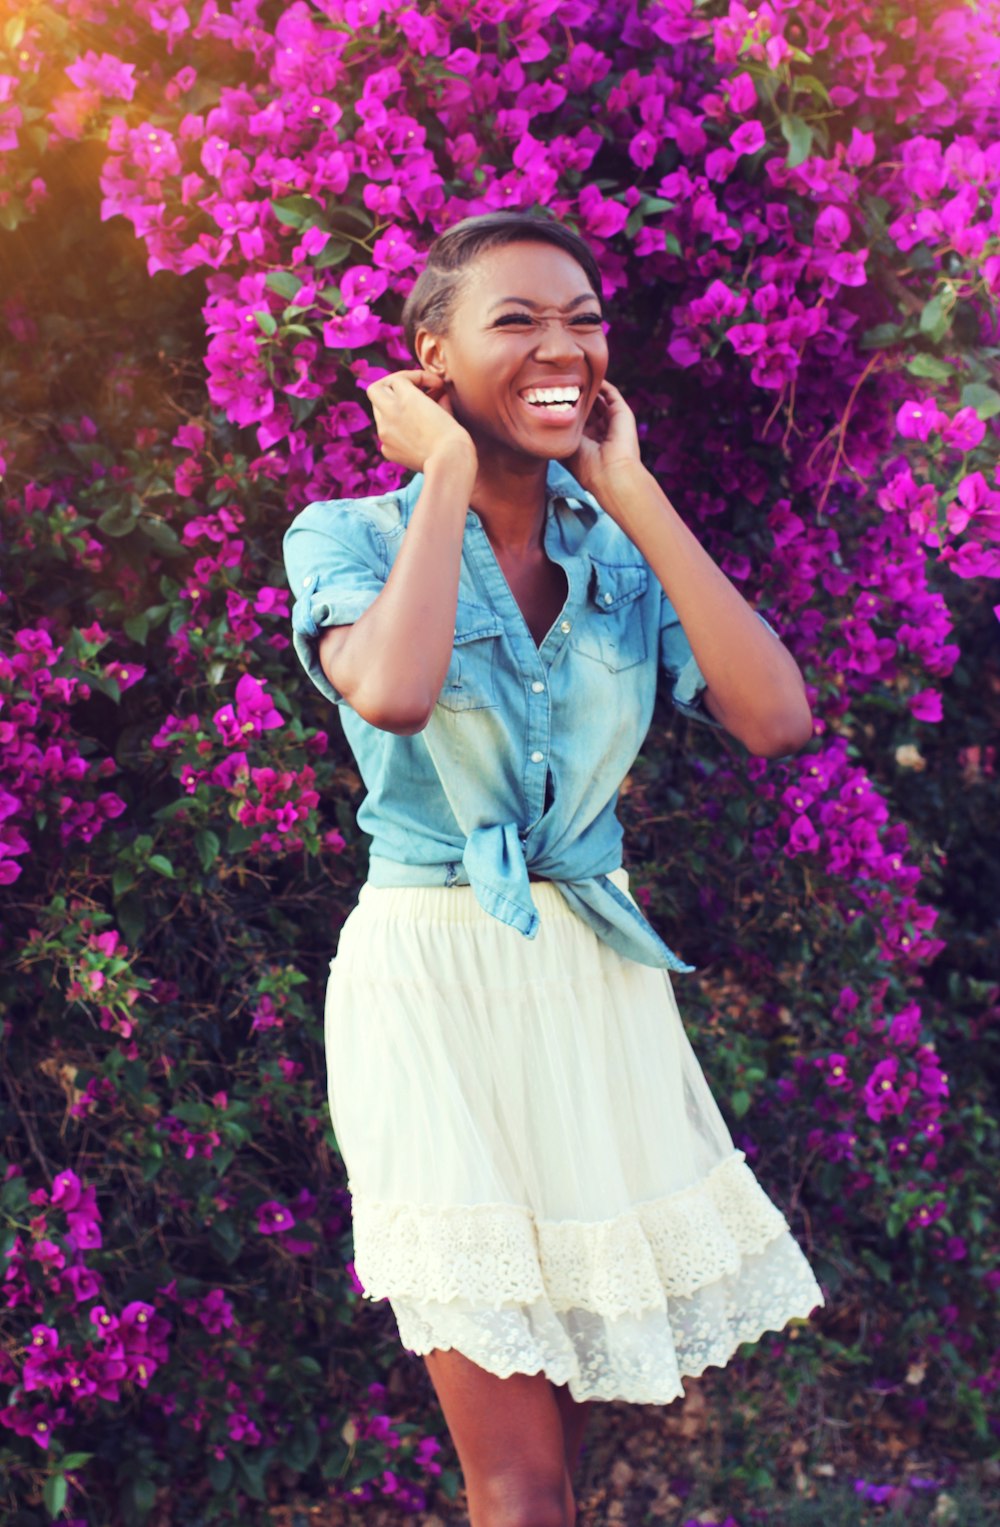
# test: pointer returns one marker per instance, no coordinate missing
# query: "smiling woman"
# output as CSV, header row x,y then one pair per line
x,y
543,1186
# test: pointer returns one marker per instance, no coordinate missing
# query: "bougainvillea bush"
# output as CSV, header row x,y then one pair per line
x,y
212,214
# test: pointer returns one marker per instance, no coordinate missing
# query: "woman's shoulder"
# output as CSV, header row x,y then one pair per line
x,y
383,513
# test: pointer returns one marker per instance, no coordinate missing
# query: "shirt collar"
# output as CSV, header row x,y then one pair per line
x,y
560,484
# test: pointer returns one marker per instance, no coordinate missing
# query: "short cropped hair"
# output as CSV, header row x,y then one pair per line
x,y
432,298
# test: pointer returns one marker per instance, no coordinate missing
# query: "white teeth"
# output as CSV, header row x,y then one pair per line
x,y
551,395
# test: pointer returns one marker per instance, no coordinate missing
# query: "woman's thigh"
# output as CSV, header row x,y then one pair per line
x,y
516,1439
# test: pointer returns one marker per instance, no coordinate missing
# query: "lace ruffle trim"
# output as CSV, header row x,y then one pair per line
x,y
498,1254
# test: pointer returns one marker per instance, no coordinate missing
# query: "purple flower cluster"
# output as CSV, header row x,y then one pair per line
x,y
43,770
59,1374
406,1455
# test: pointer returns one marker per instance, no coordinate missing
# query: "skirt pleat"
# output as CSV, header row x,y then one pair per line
x,y
540,1176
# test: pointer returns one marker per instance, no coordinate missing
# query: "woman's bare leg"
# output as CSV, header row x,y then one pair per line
x,y
575,1415
511,1443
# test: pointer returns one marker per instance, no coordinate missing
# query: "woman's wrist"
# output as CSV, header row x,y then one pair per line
x,y
454,455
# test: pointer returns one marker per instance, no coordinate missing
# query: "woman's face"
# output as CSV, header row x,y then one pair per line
x,y
525,318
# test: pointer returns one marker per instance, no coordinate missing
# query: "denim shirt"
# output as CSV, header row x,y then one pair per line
x,y
519,766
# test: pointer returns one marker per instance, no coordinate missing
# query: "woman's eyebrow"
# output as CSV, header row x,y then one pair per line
x,y
527,302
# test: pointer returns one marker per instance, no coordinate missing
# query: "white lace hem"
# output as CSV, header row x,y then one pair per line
x,y
492,1255
640,1359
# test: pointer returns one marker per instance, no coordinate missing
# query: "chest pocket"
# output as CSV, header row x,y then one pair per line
x,y
470,683
613,631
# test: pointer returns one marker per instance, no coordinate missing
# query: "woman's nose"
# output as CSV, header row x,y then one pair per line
x,y
557,340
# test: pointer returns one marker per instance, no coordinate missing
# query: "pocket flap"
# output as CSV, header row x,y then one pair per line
x,y
613,584
473,621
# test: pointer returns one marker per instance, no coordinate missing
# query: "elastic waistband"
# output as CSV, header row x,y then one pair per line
x,y
457,903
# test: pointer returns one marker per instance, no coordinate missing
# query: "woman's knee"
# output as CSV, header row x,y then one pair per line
x,y
524,1500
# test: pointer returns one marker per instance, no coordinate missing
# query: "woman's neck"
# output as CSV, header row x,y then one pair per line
x,y
510,499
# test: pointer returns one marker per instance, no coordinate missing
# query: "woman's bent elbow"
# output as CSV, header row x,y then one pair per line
x,y
403,715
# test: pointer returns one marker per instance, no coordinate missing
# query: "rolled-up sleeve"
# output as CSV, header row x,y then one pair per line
x,y
679,663
335,568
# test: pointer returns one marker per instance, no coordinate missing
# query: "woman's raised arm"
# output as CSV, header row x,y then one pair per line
x,y
391,663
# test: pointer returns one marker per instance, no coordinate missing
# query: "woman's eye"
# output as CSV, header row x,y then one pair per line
x,y
509,318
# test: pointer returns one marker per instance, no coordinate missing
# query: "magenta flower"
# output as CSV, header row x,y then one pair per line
x,y
748,138
272,1218
925,705
108,75
837,1072
66,1190
803,837
124,674
848,267
965,431
918,421
253,713
742,94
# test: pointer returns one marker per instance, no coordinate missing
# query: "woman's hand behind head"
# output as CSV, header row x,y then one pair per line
x,y
414,419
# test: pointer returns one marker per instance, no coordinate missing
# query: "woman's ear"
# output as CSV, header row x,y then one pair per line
x,y
430,353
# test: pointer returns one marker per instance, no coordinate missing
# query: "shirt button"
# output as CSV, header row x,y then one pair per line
x,y
607,599
567,625
537,687
537,757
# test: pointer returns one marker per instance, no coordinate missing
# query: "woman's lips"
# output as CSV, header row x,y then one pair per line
x,y
564,415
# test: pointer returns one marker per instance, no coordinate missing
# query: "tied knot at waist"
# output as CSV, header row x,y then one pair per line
x,y
497,869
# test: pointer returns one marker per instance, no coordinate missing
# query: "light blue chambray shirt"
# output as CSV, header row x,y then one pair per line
x,y
519,766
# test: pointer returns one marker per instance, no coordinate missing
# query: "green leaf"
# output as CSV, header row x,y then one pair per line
x,y
119,520
122,876
814,85
251,1476
293,210
448,1483
208,846
299,1450
333,253
161,863
935,320
74,1461
137,627
14,1195
172,809
144,1495
225,1240
798,134
266,322
983,399
285,282
881,337
54,1494
104,686
163,536
930,366
740,1102
220,1474
131,913
11,213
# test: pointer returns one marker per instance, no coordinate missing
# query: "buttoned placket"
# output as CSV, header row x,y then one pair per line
x,y
533,662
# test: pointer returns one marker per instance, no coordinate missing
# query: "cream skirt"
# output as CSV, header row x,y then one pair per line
x,y
540,1176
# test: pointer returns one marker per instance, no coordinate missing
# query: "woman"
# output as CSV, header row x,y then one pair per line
x,y
542,1184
